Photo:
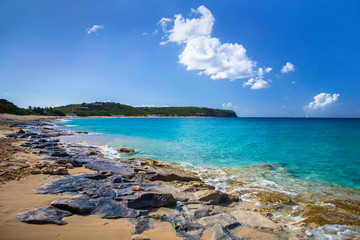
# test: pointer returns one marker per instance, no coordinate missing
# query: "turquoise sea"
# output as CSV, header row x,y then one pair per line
x,y
323,151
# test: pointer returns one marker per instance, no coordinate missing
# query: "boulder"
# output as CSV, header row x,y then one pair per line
x,y
225,220
213,197
126,150
49,215
81,205
59,154
148,199
219,233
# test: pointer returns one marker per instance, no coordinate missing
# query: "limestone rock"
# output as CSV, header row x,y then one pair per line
x,y
254,219
126,150
139,237
213,197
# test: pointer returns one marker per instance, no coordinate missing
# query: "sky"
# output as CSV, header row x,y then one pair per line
x,y
259,58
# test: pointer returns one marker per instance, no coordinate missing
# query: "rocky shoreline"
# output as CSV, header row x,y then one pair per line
x,y
142,190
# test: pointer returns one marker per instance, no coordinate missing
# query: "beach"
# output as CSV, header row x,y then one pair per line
x,y
136,198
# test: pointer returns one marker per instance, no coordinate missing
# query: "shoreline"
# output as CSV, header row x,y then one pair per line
x,y
262,221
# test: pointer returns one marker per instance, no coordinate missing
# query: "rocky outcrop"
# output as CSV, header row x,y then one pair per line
x,y
145,200
81,205
125,150
213,197
48,215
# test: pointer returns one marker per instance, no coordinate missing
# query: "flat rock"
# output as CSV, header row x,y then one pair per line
x,y
167,177
224,219
253,219
148,199
81,205
219,233
212,197
49,215
113,209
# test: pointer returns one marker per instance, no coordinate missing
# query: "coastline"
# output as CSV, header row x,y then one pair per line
x,y
261,224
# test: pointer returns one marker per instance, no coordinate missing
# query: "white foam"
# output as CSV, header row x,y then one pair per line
x,y
109,152
333,232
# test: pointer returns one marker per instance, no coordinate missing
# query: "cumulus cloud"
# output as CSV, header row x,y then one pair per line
x,y
288,67
94,29
258,81
227,105
323,100
205,53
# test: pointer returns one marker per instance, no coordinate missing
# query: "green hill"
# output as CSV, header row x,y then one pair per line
x,y
111,109
114,109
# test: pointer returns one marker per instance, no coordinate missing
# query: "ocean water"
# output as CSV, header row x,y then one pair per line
x,y
321,151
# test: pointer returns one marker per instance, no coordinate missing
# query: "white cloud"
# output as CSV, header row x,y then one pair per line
x,y
288,67
258,82
94,29
268,69
323,100
206,53
227,105
293,82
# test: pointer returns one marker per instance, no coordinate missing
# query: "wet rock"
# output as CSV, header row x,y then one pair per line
x,y
126,150
92,153
166,177
113,209
21,131
49,215
213,197
59,154
224,219
82,206
139,237
144,200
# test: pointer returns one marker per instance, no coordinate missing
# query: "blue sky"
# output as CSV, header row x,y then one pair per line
x,y
48,56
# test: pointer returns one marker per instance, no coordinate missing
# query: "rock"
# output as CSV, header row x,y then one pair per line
x,y
254,220
35,171
137,188
185,225
219,233
142,224
126,150
202,212
167,177
139,237
92,153
69,166
224,219
82,206
213,197
113,209
145,200
21,131
49,215
59,154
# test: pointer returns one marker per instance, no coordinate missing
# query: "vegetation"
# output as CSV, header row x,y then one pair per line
x,y
9,107
114,109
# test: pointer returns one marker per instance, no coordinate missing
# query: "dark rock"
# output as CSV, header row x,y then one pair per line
x,y
35,171
113,209
92,153
49,215
82,206
59,154
185,225
144,200
21,131
142,224
126,150
166,177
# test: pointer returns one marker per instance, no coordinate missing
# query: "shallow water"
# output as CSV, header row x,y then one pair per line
x,y
322,150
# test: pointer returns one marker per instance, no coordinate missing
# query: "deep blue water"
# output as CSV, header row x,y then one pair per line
x,y
324,150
